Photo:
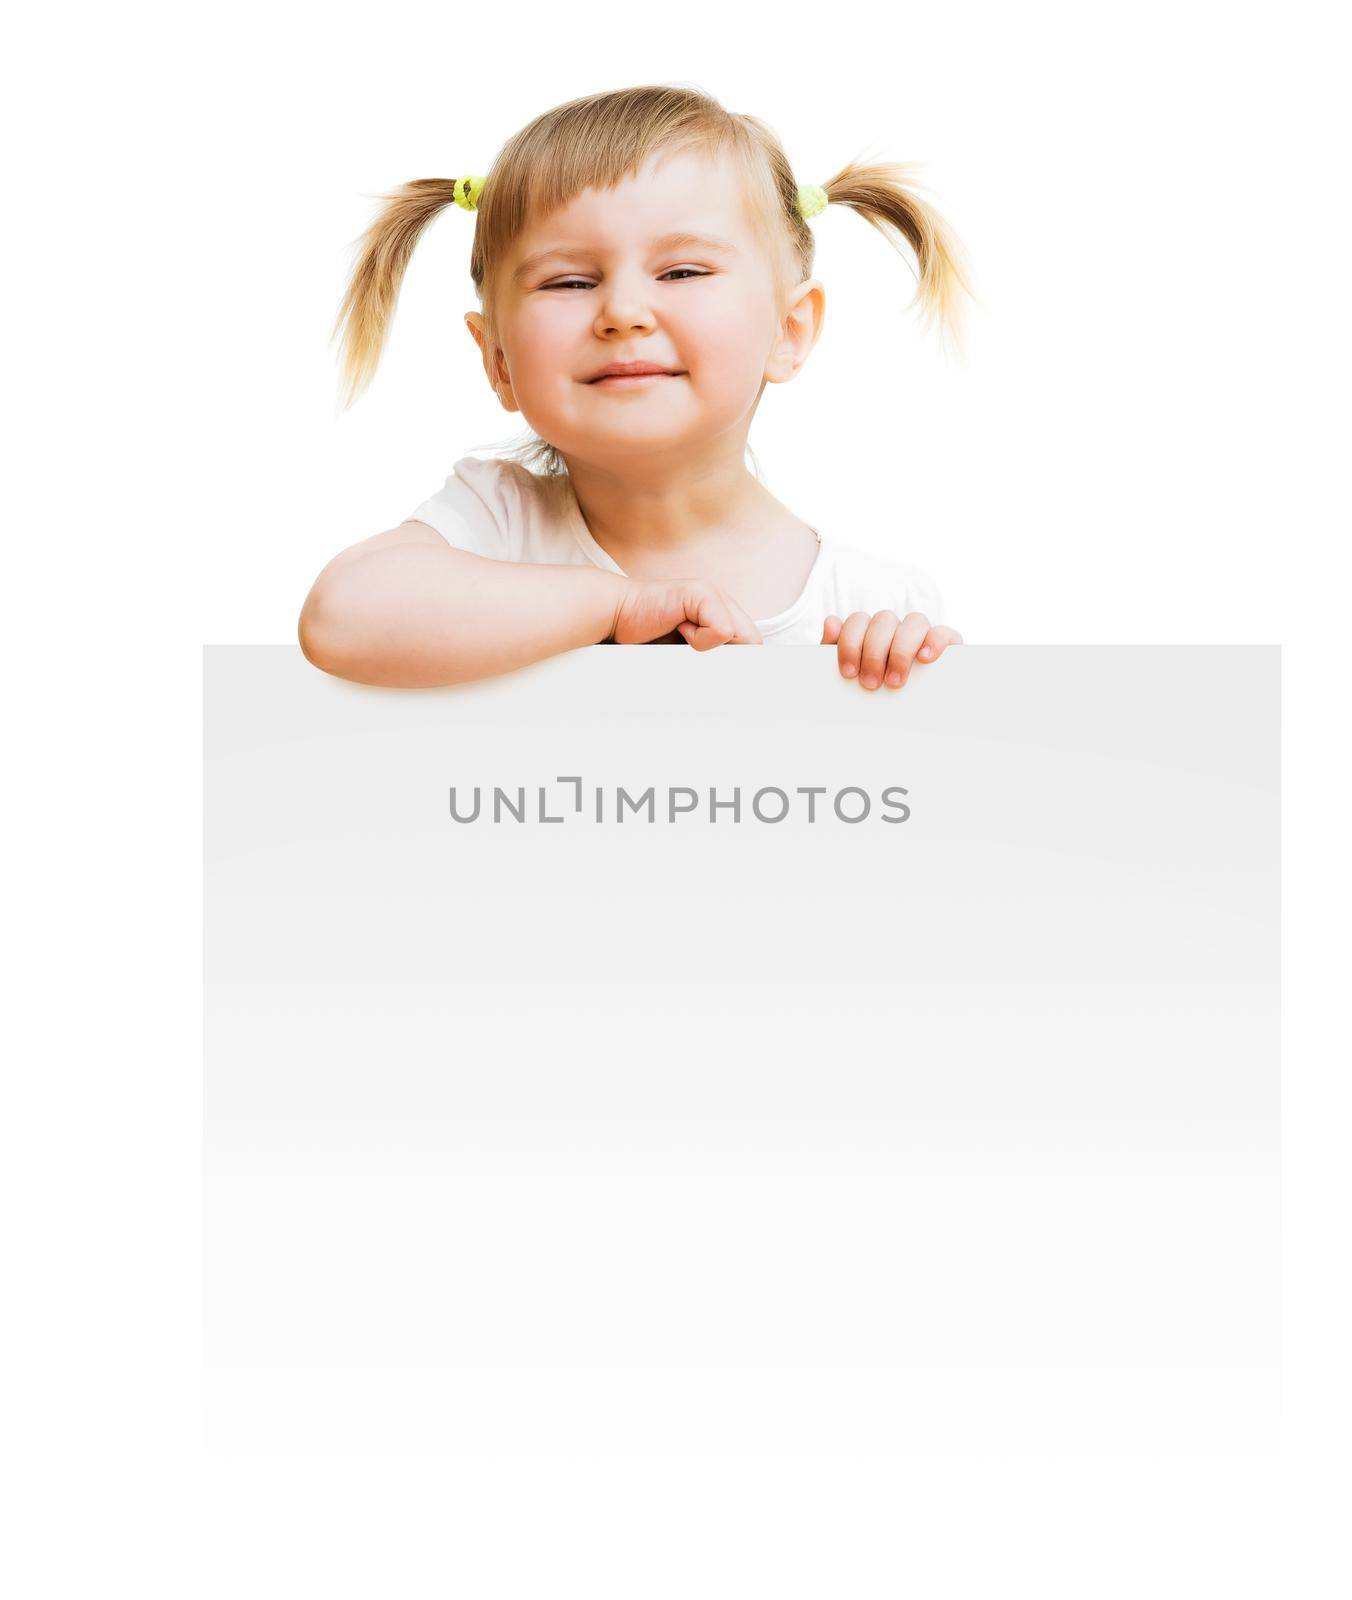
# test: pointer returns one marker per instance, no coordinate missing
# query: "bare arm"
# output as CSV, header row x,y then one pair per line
x,y
405,609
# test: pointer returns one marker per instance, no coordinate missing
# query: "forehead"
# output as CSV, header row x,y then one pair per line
x,y
677,191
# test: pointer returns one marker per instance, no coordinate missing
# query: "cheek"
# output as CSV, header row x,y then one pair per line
x,y
543,349
728,342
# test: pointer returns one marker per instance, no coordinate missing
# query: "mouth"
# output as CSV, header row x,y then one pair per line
x,y
626,374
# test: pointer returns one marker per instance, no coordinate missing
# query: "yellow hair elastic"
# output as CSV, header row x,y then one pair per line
x,y
467,192
812,199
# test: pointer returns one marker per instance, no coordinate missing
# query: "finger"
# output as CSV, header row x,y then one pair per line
x,y
851,640
747,631
719,620
711,628
848,642
908,638
877,643
707,623
936,642
831,630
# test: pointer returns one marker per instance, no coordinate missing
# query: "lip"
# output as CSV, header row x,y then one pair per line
x,y
625,371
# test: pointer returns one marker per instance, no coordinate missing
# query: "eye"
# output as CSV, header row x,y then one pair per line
x,y
679,274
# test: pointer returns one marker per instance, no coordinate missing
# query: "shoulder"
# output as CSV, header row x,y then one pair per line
x,y
858,580
490,507
505,487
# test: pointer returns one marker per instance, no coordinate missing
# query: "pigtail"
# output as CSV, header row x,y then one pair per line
x,y
884,195
383,253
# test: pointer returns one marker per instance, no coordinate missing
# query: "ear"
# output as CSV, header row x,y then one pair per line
x,y
799,328
495,363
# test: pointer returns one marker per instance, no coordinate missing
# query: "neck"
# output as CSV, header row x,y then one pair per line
x,y
666,507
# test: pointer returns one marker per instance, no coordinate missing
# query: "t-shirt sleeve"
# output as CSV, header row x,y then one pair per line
x,y
865,582
471,512
921,593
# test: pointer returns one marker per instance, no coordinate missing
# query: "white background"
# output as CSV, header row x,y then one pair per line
x,y
1141,447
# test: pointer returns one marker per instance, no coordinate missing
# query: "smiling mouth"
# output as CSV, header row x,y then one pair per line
x,y
624,379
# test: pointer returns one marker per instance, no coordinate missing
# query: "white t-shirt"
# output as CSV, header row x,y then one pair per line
x,y
502,510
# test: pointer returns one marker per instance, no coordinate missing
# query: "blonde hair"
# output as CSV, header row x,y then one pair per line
x,y
595,142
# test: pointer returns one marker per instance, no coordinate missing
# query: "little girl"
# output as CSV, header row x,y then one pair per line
x,y
643,262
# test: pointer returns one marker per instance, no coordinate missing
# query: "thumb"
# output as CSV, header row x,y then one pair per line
x,y
831,630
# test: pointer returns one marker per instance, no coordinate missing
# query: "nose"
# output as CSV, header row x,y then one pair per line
x,y
623,306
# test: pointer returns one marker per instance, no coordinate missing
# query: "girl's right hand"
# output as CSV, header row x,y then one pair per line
x,y
695,611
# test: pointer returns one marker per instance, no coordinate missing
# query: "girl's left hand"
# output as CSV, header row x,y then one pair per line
x,y
881,648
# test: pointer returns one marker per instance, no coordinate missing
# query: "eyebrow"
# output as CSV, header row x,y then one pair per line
x,y
668,241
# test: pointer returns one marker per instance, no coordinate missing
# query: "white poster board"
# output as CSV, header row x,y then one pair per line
x,y
690,1141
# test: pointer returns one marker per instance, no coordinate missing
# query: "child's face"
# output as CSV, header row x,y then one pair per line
x,y
604,281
